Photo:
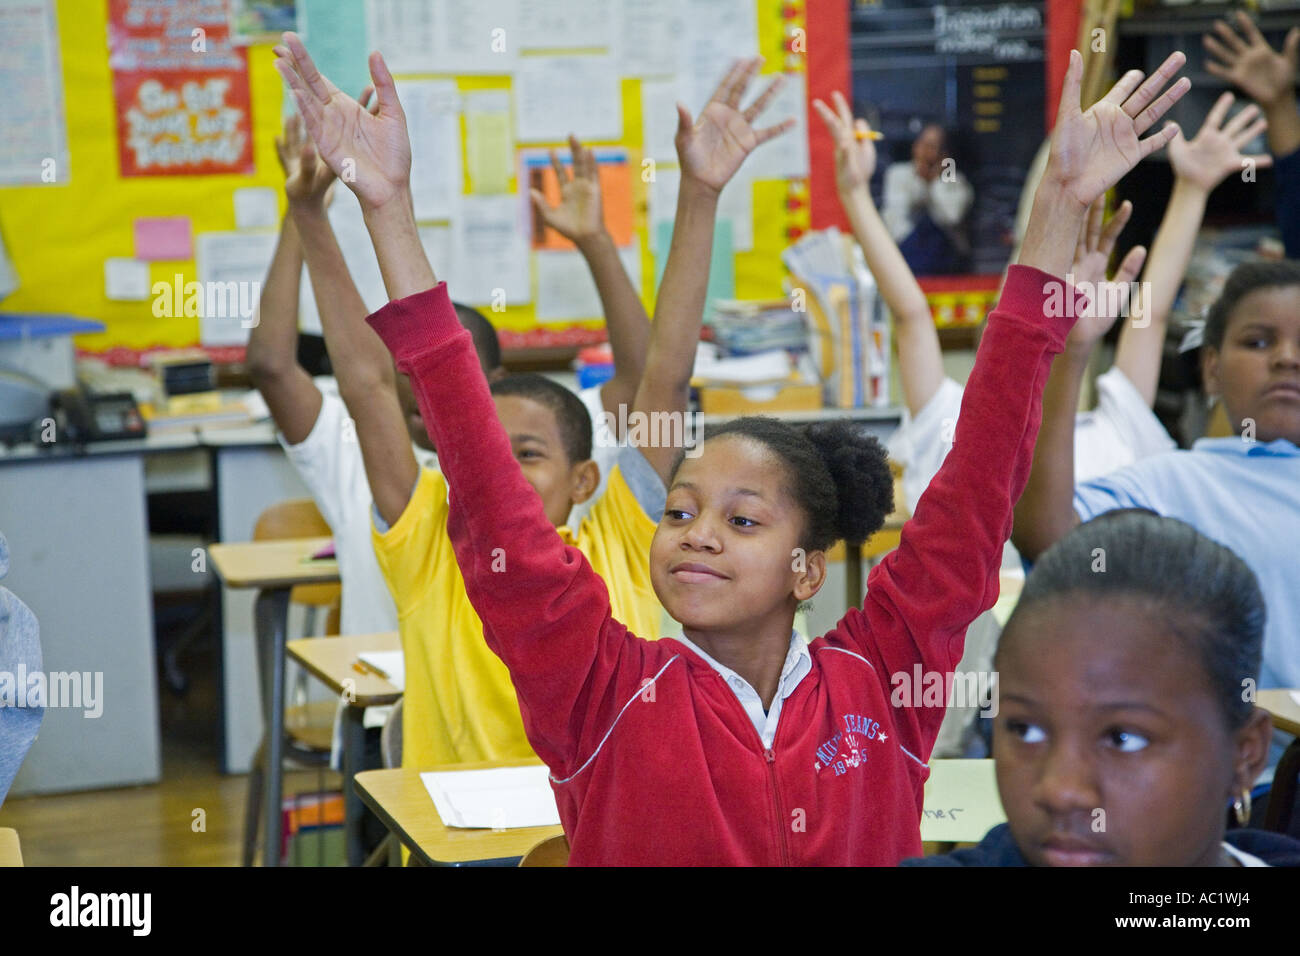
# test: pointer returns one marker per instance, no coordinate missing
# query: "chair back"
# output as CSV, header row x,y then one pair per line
x,y
553,851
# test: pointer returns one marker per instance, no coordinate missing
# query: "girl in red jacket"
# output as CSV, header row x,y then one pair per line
x,y
739,743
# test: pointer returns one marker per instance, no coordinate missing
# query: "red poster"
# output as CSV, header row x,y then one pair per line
x,y
181,88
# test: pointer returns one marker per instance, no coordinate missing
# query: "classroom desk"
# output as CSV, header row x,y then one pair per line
x,y
401,801
11,853
1282,708
273,568
961,805
330,660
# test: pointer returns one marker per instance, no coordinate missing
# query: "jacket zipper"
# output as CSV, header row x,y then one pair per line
x,y
770,755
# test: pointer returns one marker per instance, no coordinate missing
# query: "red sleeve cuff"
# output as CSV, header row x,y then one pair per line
x,y
1043,300
417,323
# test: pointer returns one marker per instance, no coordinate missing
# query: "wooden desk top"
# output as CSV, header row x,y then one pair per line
x,y
10,853
273,564
961,802
330,659
400,800
1282,707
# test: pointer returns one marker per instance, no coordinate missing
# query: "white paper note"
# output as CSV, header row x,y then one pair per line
x,y
491,253
501,798
126,280
565,289
647,36
559,95
717,32
477,36
256,207
405,32
34,147
431,108
440,248
232,257
659,119
564,24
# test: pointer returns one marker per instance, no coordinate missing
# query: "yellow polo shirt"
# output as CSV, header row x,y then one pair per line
x,y
459,704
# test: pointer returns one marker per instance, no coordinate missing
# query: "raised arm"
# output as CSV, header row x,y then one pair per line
x,y
1199,166
952,546
544,611
920,360
1052,475
710,151
580,218
291,395
362,365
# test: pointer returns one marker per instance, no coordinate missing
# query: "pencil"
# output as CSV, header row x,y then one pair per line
x,y
871,134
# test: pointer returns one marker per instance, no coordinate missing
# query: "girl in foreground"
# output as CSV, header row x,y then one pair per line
x,y
741,744
1128,751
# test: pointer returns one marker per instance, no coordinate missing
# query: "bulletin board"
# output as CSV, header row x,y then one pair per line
x,y
60,234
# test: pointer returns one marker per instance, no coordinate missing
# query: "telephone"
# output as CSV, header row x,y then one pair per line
x,y
84,416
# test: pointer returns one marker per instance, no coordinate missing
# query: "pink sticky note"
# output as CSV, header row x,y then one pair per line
x,y
163,238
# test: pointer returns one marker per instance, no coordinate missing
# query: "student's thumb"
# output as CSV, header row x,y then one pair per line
x,y
539,203
1291,47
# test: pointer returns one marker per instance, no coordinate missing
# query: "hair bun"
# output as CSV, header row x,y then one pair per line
x,y
859,466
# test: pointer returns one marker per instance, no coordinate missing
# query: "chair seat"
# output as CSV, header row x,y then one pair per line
x,y
311,725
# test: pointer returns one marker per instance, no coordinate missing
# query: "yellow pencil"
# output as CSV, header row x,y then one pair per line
x,y
871,134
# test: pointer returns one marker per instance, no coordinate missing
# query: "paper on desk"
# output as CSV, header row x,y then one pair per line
x,y
500,799
392,663
1295,696
547,89
760,368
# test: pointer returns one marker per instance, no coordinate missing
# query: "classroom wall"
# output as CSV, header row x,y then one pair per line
x,y
59,235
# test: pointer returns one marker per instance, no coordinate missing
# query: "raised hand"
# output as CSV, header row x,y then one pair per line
x,y
1092,149
1215,153
855,153
579,215
1108,299
1251,64
306,178
711,149
369,151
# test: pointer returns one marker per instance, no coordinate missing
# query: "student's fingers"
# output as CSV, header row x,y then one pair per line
x,y
1128,269
747,73
1114,227
842,108
1256,128
582,164
1241,121
723,92
1071,89
1247,27
1124,87
833,122
560,174
540,204
1229,37
1136,104
760,104
1291,47
684,121
1260,161
385,88
1096,213
309,108
772,132
1214,118
1157,140
369,102
319,87
1147,118
1217,49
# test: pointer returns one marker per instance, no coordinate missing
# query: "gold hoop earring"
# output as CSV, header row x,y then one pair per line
x,y
1241,808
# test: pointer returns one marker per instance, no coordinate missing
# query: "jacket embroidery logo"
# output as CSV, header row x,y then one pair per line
x,y
847,750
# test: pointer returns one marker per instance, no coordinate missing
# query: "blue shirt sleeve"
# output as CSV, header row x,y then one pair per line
x,y
1119,489
1286,178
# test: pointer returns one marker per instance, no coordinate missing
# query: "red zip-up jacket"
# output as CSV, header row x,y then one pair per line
x,y
652,757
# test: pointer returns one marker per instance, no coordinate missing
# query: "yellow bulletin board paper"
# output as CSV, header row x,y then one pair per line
x,y
71,228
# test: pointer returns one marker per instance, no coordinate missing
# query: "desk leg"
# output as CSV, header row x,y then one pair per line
x,y
354,751
270,614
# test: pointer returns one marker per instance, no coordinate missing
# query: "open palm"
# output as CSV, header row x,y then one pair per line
x,y
712,148
855,157
1215,153
1092,149
1108,299
579,214
306,177
370,152
1251,64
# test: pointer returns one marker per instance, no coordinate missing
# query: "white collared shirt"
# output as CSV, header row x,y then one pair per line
x,y
798,664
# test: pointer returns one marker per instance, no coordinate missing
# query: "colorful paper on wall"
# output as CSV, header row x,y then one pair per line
x,y
335,35
181,89
431,108
722,267
164,238
559,95
489,146
261,21
566,291
615,177
126,280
